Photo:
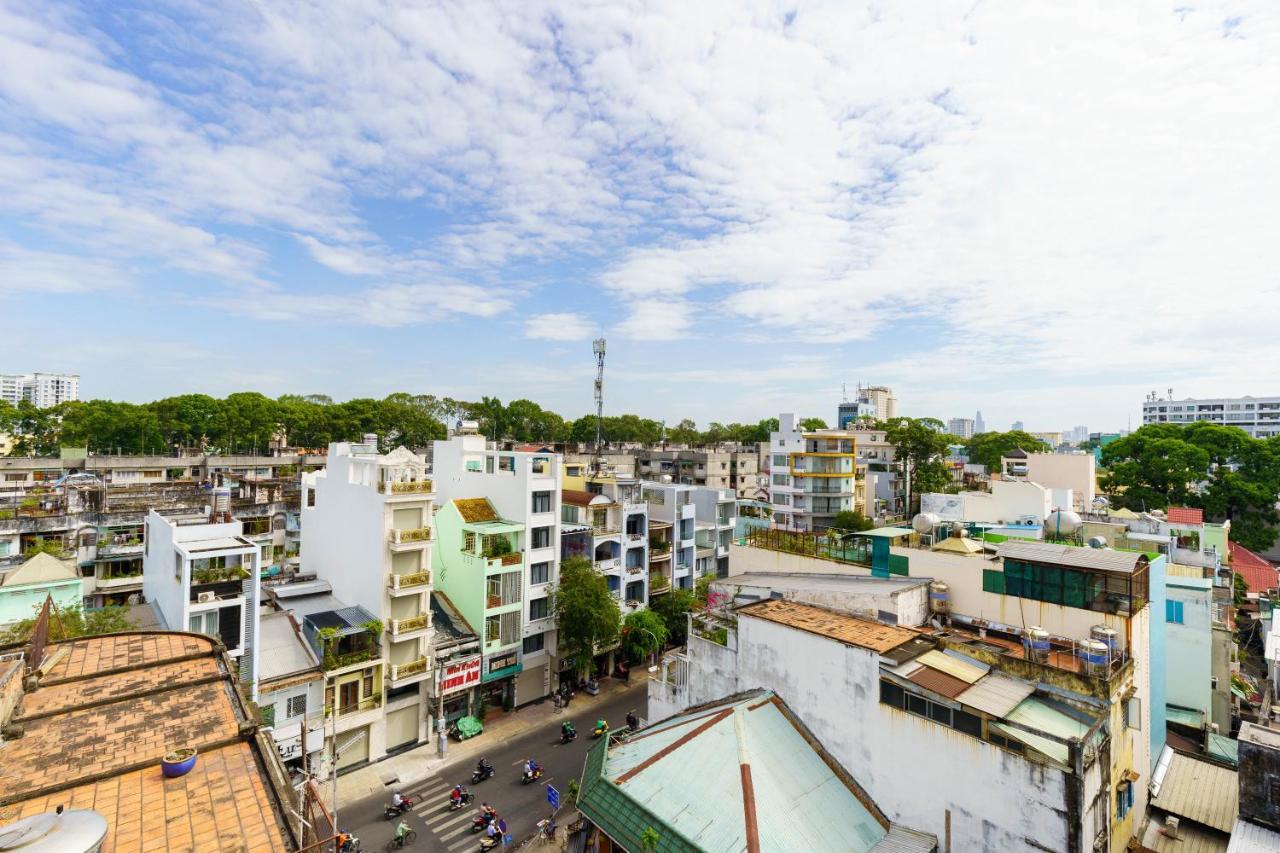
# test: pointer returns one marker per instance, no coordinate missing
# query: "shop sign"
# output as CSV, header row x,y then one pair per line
x,y
500,666
459,676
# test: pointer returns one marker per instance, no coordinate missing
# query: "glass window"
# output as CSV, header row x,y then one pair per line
x,y
541,537
540,573
1173,611
542,501
535,643
539,609
204,623
297,705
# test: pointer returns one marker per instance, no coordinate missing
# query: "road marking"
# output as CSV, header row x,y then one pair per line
x,y
466,827
461,843
441,827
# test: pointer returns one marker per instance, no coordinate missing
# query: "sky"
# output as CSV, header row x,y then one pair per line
x,y
1036,209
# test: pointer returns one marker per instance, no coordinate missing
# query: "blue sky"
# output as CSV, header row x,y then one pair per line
x,y
1036,211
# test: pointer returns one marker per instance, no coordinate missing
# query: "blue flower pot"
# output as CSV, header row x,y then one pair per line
x,y
178,763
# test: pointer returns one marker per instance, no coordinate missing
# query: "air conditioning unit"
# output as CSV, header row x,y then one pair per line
x,y
206,597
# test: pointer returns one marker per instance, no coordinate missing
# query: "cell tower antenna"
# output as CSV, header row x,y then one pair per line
x,y
844,392
597,347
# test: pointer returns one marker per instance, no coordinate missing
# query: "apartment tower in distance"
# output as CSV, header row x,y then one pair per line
x,y
1258,416
42,390
870,401
961,427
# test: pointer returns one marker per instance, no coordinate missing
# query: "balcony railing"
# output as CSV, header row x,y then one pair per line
x,y
658,582
635,570
367,704
492,601
415,534
408,670
402,582
404,626
105,581
604,529
635,537
332,661
407,487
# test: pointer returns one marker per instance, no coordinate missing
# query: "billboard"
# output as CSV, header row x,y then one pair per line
x,y
458,675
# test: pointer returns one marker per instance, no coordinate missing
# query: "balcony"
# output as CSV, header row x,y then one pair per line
x,y
635,570
366,704
658,583
400,627
124,549
408,583
402,673
114,581
407,487
411,538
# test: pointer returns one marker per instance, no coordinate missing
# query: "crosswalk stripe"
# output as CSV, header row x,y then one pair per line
x,y
461,843
442,826
445,836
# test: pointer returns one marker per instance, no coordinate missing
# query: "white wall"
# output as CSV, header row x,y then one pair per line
x,y
344,536
1189,646
910,603
1073,471
167,594
1008,501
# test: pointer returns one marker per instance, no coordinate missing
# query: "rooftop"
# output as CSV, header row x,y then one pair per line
x,y
802,581
576,497
475,509
1184,515
41,569
850,630
1097,559
106,711
282,652
765,783
1259,574
1197,790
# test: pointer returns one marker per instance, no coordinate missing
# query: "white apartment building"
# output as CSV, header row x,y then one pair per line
x,y
961,427
42,390
367,532
673,512
608,524
524,487
813,475
202,575
715,516
1258,416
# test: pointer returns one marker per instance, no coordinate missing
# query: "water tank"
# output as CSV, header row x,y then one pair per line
x,y
665,479
1097,542
1095,656
1108,636
69,831
221,499
1036,641
939,597
925,522
958,531
1061,522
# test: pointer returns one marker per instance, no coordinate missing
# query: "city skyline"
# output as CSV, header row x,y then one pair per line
x,y
455,204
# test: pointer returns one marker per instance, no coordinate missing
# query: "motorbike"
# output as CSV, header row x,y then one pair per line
x,y
464,800
395,811
489,842
349,844
480,822
565,737
598,731
526,777
478,775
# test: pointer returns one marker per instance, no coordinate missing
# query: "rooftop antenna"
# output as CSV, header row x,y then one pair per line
x,y
597,347
844,392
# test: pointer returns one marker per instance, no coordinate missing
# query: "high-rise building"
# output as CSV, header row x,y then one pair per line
x,y
1018,426
42,390
1258,416
961,427
979,426
814,475
870,401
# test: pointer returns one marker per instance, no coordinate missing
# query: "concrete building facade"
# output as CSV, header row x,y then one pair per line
x,y
1258,416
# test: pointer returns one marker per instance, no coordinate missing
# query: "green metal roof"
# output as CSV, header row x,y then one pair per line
x,y
1225,749
683,777
1037,714
1184,716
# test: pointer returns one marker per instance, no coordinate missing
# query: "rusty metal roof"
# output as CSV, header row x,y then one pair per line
x,y
475,509
863,633
938,682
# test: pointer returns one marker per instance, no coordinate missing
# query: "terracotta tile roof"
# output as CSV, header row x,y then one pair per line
x,y
577,497
473,510
875,636
1258,573
107,710
1184,515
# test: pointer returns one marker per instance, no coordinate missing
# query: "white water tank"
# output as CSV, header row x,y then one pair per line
x,y
221,500
925,522
62,831
1061,522
1036,641
1096,657
939,597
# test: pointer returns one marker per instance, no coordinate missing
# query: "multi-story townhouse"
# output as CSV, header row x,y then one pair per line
x,y
523,486
672,520
1258,416
605,519
200,574
814,475
367,531
715,516
733,468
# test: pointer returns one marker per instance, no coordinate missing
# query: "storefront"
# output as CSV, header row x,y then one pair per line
x,y
498,680
456,683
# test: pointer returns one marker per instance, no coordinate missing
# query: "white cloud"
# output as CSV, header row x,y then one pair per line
x,y
559,327
657,320
26,271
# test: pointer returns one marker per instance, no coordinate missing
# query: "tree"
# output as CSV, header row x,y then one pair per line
x,y
643,634
987,448
1239,589
851,521
66,623
587,616
672,609
920,444
1152,468
810,424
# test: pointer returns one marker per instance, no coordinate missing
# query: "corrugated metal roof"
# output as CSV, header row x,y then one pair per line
x,y
875,636
1098,559
1224,748
1043,717
887,532
952,666
799,801
903,840
938,682
1201,791
996,694
1248,837
1188,717
1191,837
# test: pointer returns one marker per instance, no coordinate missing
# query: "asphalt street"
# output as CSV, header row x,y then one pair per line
x,y
522,806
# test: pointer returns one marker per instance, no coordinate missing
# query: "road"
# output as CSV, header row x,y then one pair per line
x,y
522,806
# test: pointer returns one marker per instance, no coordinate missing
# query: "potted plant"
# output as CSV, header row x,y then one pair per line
x,y
178,762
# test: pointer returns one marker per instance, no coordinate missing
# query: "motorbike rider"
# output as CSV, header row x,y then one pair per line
x,y
397,801
457,794
483,767
530,767
566,729
402,829
602,726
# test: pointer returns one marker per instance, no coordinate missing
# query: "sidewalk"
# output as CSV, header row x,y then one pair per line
x,y
422,761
